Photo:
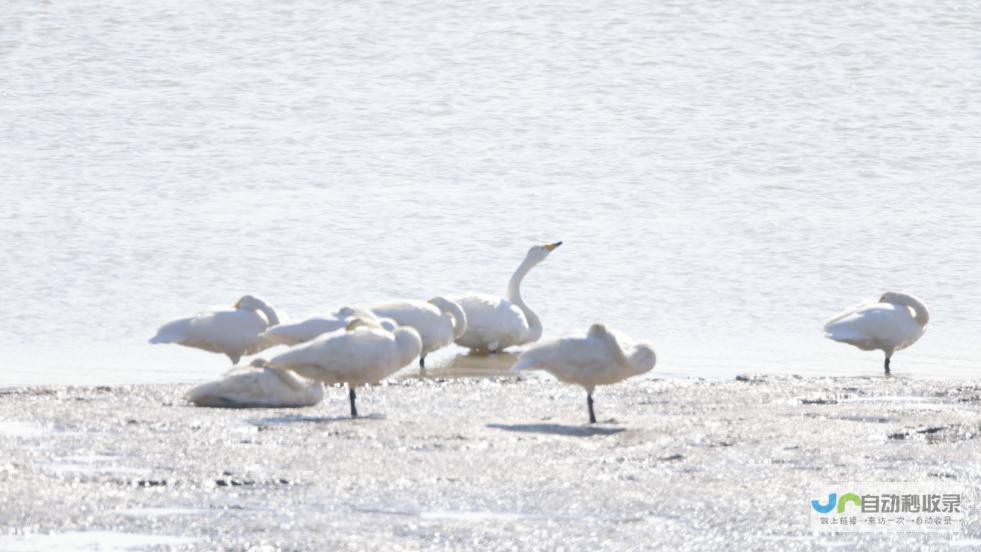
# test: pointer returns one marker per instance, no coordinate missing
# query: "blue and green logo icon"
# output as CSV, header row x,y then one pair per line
x,y
836,503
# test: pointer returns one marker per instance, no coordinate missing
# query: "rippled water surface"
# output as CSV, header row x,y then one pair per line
x,y
725,175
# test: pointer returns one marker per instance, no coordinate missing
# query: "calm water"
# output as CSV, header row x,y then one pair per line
x,y
725,175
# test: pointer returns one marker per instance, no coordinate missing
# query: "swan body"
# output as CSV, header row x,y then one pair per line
x,y
363,352
235,332
301,332
892,323
495,323
439,321
597,359
257,387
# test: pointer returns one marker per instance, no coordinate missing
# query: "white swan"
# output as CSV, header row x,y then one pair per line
x,y
494,323
232,332
257,387
439,321
895,322
596,359
362,353
301,332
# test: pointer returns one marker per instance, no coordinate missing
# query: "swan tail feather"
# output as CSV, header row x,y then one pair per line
x,y
172,332
532,359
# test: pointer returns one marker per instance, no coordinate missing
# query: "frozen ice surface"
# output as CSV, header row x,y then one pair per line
x,y
495,463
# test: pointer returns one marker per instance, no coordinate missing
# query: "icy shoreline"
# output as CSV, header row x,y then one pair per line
x,y
496,463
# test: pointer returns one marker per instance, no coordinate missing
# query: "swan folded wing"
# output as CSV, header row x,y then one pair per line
x,y
301,332
420,315
343,357
221,331
612,344
255,388
875,326
234,330
173,332
847,313
570,359
491,320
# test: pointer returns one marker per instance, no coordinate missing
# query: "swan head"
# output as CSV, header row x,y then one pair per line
x,y
916,306
597,330
888,297
409,343
249,302
388,324
537,253
353,312
358,322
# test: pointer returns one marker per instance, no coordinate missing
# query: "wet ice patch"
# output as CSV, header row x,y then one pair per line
x,y
91,463
472,516
73,467
917,403
558,429
962,543
88,540
13,428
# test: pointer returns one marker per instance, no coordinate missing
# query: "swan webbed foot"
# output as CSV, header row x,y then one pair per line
x,y
589,403
351,396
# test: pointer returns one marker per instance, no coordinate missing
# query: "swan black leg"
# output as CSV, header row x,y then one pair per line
x,y
887,366
351,397
589,403
422,361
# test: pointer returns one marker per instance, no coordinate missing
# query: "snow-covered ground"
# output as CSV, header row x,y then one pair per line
x,y
494,463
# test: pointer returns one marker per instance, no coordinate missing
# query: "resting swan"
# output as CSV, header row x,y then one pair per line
x,y
363,352
301,332
232,332
495,323
257,387
596,359
895,322
439,321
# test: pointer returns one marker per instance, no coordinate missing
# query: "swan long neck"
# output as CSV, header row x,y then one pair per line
x,y
920,313
409,344
641,358
514,296
455,312
616,350
288,379
270,313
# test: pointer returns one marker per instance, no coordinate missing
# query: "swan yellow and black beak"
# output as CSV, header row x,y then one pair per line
x,y
551,246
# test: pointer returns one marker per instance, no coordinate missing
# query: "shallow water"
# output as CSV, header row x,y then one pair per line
x,y
725,176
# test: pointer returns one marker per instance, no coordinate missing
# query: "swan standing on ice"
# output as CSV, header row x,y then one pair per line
x,y
596,359
895,322
232,332
257,387
494,323
439,321
364,352
301,332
